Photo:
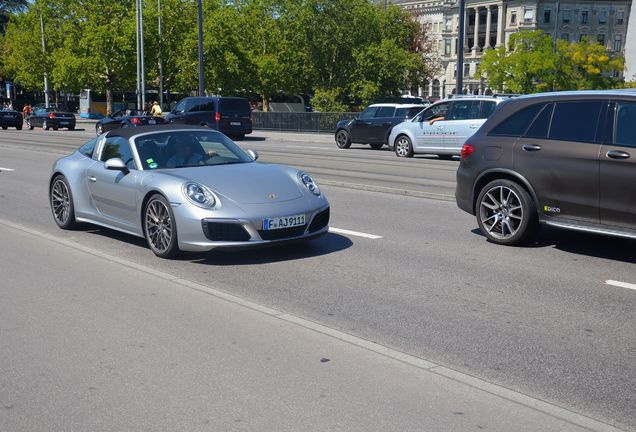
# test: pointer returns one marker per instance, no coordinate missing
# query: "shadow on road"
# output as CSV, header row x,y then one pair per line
x,y
592,245
327,244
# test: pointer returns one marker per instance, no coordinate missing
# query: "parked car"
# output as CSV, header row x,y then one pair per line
x,y
230,115
126,118
10,118
185,188
442,128
565,159
374,124
51,117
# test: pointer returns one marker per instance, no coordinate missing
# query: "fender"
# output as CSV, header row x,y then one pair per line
x,y
508,173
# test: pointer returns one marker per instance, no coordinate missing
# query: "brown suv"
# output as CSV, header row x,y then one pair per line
x,y
565,159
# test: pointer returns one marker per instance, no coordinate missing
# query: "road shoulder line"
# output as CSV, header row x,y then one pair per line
x,y
384,189
420,363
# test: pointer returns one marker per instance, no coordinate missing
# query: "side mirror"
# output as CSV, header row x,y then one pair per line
x,y
116,164
253,154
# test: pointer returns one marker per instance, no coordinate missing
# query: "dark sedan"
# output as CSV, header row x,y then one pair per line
x,y
51,118
126,118
10,118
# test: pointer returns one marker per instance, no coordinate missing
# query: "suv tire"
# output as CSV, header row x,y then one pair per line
x,y
506,213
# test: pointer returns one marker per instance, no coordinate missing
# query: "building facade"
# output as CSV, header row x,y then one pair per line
x,y
489,24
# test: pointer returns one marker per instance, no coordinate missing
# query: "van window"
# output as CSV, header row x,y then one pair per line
x,y
385,111
626,124
202,105
516,124
541,124
434,111
234,106
575,121
180,107
487,108
463,110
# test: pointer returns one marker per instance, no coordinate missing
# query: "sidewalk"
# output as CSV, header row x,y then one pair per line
x,y
111,345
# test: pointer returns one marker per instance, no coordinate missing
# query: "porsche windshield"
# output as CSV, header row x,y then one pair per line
x,y
181,149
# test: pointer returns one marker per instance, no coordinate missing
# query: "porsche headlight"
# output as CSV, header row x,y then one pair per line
x,y
199,195
309,183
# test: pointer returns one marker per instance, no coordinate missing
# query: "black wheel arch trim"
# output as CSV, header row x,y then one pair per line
x,y
508,174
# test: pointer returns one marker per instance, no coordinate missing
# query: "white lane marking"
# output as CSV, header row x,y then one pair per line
x,y
6,169
621,284
354,233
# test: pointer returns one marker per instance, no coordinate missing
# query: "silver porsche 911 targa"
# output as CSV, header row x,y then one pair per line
x,y
184,189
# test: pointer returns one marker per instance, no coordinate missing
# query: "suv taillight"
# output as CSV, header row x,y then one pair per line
x,y
467,150
217,116
52,115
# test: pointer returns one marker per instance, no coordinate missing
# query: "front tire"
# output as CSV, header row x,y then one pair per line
x,y
18,127
343,140
403,147
61,201
29,125
45,125
506,213
160,227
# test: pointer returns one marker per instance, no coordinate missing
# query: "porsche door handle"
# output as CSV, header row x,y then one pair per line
x,y
617,154
531,147
92,179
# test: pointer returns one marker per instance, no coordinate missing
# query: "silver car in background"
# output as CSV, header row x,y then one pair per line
x,y
442,128
185,188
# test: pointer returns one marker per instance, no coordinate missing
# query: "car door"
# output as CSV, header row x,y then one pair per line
x,y
618,167
360,128
381,123
561,163
430,129
461,122
114,193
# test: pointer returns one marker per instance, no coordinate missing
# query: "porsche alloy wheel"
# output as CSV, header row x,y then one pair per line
x,y
160,227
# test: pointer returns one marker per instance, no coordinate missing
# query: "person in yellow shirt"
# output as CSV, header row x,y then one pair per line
x,y
156,109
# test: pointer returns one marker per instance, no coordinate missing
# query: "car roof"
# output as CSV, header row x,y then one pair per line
x,y
581,93
137,130
397,105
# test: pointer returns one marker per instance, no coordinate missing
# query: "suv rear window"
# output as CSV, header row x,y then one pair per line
x,y
575,121
234,106
626,124
541,124
516,124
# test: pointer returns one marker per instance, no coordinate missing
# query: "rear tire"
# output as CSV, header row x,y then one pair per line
x,y
55,127
343,140
403,146
5,127
19,127
61,202
506,213
160,227
71,128
377,146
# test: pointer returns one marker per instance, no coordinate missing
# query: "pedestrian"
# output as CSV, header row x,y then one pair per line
x,y
156,109
26,111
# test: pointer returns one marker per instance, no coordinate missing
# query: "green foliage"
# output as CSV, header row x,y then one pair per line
x,y
328,100
532,63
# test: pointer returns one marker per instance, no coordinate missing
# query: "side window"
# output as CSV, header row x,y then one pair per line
x,y
180,107
385,111
368,113
118,147
625,124
202,105
487,108
434,111
463,110
541,124
88,148
516,124
575,121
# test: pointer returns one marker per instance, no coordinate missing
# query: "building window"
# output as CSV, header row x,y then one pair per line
x,y
546,15
513,18
449,24
467,70
567,15
584,16
600,38
528,16
447,47
602,17
435,90
565,37
620,17
618,43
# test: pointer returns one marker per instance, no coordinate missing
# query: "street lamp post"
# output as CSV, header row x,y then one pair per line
x,y
160,55
46,72
201,79
141,81
138,88
460,50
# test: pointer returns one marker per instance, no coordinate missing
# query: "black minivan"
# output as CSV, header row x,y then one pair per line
x,y
230,115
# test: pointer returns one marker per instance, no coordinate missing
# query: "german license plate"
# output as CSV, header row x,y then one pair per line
x,y
152,121
235,123
283,222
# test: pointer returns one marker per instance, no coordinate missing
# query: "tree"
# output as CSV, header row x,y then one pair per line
x,y
587,65
8,8
527,66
